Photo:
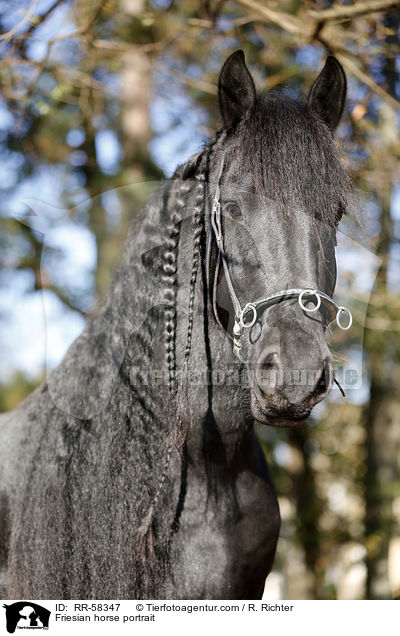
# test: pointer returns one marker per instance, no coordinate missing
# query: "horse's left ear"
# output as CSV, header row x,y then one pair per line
x,y
328,93
236,90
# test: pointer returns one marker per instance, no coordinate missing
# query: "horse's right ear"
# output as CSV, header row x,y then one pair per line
x,y
236,90
328,93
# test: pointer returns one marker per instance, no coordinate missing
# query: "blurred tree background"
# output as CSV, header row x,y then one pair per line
x,y
97,95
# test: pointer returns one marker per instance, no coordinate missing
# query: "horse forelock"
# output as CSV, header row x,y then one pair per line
x,y
293,158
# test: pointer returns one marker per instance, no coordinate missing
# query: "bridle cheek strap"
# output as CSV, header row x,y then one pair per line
x,y
214,284
247,316
216,225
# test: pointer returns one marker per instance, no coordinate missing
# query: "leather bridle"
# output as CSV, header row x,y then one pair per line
x,y
246,316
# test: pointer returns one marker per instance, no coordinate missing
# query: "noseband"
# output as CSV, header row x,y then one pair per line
x,y
246,316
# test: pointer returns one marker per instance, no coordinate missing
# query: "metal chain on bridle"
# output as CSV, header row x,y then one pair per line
x,y
246,315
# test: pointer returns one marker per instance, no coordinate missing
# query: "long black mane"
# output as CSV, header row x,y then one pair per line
x,y
293,157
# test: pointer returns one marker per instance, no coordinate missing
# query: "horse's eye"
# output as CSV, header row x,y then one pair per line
x,y
233,209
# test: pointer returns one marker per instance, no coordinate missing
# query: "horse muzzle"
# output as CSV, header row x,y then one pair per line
x,y
282,395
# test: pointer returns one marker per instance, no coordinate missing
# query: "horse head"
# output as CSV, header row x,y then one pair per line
x,y
278,192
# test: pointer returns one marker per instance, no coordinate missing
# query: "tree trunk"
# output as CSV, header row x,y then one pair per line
x,y
380,414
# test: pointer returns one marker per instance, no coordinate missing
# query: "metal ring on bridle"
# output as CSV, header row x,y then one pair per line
x,y
341,310
245,310
309,292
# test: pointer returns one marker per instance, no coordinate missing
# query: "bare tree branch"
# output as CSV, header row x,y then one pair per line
x,y
310,27
368,80
198,84
286,21
351,10
27,17
35,23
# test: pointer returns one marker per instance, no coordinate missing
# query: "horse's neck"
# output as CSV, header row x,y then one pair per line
x,y
121,334
212,396
126,347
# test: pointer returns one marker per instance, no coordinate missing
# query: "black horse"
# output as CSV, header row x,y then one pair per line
x,y
133,471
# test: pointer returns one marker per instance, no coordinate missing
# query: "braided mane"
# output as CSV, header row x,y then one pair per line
x,y
197,168
193,175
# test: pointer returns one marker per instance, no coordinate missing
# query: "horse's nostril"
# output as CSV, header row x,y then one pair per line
x,y
325,379
268,372
322,382
270,361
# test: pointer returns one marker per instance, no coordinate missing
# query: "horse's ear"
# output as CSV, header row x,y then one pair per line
x,y
236,90
328,93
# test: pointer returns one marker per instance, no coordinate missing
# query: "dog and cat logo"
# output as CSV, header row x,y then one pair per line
x,y
26,615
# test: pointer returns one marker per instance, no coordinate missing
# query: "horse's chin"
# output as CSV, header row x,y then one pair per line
x,y
271,417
